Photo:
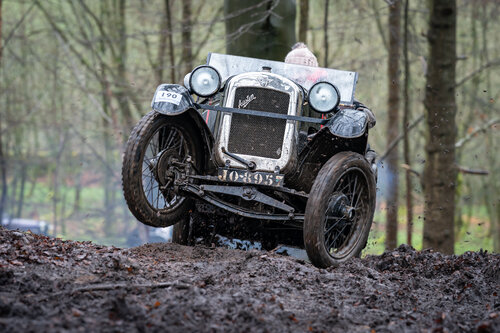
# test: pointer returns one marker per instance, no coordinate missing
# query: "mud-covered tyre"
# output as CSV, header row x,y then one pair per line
x,y
194,228
339,211
156,141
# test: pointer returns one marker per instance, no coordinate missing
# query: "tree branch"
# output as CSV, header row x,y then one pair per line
x,y
477,71
473,171
209,32
379,25
394,143
409,169
471,135
65,39
94,151
99,26
18,24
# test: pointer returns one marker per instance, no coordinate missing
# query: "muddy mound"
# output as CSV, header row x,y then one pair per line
x,y
50,284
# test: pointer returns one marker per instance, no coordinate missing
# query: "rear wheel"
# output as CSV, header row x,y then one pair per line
x,y
181,232
339,210
194,228
155,145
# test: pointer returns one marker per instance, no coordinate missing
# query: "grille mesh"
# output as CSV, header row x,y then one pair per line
x,y
258,136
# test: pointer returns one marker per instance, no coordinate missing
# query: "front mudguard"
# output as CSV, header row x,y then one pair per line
x,y
175,100
172,99
348,124
347,130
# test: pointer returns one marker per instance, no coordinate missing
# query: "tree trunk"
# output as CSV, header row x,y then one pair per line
x,y
260,28
3,169
1,46
170,41
378,21
20,201
109,192
303,20
63,137
325,33
393,123
187,51
440,173
107,136
120,62
406,122
78,182
162,46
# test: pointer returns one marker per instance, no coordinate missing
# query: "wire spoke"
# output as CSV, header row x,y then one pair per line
x,y
330,245
167,139
354,190
345,186
339,232
171,137
334,225
361,191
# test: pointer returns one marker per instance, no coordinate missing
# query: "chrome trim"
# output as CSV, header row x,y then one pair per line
x,y
289,146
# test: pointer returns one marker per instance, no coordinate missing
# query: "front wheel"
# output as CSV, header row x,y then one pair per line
x,y
156,144
339,210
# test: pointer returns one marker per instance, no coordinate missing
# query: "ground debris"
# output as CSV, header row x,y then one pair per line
x,y
48,284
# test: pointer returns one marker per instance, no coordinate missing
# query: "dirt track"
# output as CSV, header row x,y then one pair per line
x,y
49,284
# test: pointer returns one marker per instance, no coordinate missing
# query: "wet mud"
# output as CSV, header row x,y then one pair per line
x,y
47,284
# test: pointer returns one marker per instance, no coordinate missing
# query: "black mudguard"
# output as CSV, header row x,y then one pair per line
x,y
346,131
175,100
172,99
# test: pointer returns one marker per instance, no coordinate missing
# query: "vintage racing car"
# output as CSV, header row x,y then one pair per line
x,y
276,152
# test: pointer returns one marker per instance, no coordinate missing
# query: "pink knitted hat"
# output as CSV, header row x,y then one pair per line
x,y
301,55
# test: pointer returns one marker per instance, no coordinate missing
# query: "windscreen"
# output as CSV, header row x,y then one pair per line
x,y
306,76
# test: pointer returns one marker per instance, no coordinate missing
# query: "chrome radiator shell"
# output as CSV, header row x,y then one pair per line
x,y
230,135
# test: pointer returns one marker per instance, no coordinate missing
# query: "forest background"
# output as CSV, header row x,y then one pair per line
x,y
76,75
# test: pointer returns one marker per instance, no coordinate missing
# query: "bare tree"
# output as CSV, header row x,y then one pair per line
x,y
170,40
187,51
393,122
3,168
406,122
325,33
378,21
303,20
440,173
260,28
165,36
120,28
1,47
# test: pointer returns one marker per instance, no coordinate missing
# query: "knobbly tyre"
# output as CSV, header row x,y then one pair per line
x,y
277,152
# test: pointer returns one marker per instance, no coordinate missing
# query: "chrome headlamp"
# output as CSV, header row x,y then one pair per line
x,y
204,81
324,97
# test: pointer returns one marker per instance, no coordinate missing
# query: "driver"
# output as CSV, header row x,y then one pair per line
x,y
301,55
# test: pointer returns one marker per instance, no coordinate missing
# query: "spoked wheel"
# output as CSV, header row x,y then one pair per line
x,y
156,144
339,210
193,227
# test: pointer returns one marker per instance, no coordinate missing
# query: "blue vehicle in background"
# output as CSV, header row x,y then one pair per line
x,y
21,224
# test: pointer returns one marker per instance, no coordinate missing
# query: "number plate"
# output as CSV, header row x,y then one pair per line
x,y
248,177
168,96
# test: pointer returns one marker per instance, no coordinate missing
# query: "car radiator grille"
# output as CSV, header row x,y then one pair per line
x,y
258,136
